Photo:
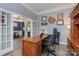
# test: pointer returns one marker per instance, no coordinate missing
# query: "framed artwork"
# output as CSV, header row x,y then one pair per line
x,y
44,24
44,21
44,18
51,20
60,22
60,16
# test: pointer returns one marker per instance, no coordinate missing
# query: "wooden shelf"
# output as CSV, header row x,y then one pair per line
x,y
73,42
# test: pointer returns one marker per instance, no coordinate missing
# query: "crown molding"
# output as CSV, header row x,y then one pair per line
x,y
51,10
26,6
57,9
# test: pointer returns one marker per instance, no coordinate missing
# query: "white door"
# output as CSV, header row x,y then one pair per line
x,y
6,31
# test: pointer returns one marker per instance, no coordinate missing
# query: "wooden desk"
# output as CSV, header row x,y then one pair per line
x,y
32,46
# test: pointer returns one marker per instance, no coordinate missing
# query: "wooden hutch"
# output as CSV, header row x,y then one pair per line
x,y
73,40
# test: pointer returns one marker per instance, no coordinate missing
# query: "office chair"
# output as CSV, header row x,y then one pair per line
x,y
54,31
48,43
43,45
57,36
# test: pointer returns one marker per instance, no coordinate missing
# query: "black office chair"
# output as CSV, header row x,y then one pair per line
x,y
57,36
54,31
43,45
48,43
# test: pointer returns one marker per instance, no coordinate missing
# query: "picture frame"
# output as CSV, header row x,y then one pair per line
x,y
60,16
60,22
44,21
51,20
44,18
44,24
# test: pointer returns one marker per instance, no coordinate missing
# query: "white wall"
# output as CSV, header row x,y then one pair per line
x,y
64,31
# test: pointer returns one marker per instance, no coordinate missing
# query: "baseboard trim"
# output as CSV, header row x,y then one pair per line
x,y
5,51
63,43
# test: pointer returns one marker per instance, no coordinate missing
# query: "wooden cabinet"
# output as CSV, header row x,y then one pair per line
x,y
73,40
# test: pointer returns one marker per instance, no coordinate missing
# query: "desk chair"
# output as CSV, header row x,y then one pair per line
x,y
57,36
54,33
48,43
43,45
54,30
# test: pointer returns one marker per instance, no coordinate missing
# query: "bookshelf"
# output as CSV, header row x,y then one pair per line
x,y
73,41
6,31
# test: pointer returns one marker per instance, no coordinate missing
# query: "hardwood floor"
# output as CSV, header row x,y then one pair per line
x,y
61,50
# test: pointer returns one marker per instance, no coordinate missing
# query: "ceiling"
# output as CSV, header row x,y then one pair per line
x,y
40,8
